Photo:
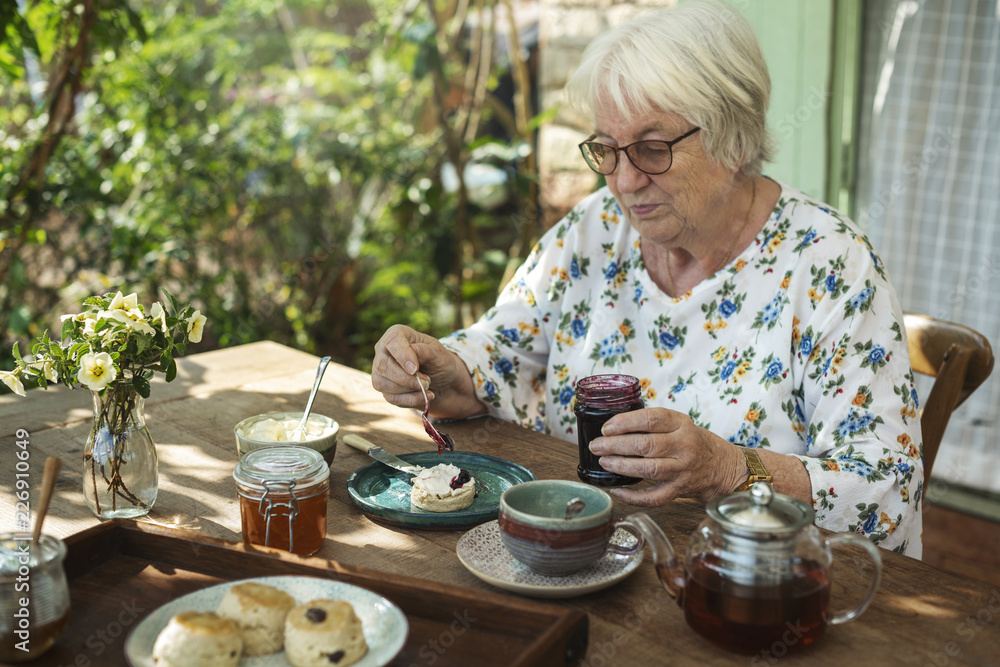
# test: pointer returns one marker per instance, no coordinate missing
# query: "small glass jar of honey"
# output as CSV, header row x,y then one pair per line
x,y
283,493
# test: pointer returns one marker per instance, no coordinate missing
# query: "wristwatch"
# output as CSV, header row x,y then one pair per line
x,y
756,469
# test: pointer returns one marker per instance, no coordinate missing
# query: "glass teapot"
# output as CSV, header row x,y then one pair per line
x,y
757,573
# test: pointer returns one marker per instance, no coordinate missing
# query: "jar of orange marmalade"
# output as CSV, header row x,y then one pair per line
x,y
283,493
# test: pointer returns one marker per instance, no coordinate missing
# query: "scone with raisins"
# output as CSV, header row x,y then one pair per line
x,y
321,633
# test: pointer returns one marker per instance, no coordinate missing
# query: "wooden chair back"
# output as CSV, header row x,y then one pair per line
x,y
958,358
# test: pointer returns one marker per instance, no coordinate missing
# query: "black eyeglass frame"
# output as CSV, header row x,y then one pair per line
x,y
625,149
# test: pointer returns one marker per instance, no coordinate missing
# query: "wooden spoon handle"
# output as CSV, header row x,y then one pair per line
x,y
49,477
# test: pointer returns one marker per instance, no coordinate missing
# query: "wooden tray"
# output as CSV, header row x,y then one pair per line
x,y
121,571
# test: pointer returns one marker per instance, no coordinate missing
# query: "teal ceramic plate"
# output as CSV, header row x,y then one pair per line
x,y
383,493
384,623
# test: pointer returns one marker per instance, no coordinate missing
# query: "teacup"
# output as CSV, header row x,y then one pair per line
x,y
534,527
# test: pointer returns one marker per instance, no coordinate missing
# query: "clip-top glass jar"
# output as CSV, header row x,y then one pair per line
x,y
598,399
283,494
34,597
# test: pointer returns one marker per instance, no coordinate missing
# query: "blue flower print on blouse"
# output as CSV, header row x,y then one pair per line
x,y
807,239
831,283
727,370
566,395
612,271
806,346
771,310
774,370
861,298
510,334
490,389
504,366
854,423
578,328
668,340
638,294
574,269
854,465
727,308
870,523
612,346
877,354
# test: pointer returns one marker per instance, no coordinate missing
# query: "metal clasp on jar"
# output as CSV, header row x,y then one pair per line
x,y
267,508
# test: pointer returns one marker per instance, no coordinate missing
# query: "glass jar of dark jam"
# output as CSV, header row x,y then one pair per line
x,y
598,398
283,492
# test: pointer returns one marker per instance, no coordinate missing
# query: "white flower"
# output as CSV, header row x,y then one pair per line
x,y
157,314
96,370
46,368
12,381
133,318
196,326
119,302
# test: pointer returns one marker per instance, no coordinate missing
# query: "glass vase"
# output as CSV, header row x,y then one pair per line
x,y
119,461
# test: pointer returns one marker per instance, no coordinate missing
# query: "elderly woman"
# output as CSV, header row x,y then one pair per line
x,y
760,322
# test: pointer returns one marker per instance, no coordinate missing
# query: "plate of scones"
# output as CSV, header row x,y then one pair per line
x,y
271,621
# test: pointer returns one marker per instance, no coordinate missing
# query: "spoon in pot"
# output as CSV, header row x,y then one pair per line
x,y
49,477
574,507
296,434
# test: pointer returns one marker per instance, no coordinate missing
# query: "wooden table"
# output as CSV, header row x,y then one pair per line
x,y
920,616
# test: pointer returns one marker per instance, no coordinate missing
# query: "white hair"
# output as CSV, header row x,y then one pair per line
x,y
700,60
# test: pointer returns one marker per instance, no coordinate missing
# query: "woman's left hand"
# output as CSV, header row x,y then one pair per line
x,y
668,448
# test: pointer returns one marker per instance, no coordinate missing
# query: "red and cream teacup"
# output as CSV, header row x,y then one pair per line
x,y
535,530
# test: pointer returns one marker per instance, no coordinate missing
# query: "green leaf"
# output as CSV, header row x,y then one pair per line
x,y
175,306
141,385
141,343
15,352
169,366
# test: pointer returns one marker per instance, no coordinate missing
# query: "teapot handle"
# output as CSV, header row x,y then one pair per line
x,y
853,538
670,572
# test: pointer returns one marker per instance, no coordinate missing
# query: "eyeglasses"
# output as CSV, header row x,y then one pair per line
x,y
649,157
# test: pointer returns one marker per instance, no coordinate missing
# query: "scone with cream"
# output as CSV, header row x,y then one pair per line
x,y
321,633
259,611
443,488
198,639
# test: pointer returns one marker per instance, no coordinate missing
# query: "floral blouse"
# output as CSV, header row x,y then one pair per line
x,y
797,346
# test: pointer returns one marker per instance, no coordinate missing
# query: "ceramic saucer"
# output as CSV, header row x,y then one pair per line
x,y
482,552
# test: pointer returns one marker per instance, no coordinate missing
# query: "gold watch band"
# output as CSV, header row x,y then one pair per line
x,y
757,471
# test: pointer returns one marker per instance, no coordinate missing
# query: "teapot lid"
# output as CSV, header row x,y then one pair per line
x,y
760,513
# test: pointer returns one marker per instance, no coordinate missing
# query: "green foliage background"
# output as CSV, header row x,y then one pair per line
x,y
275,162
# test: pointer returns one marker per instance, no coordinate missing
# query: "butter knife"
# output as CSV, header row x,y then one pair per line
x,y
380,455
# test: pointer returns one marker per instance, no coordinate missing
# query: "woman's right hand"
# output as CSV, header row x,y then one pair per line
x,y
403,356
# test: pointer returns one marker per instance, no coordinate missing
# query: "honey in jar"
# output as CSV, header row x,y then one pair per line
x,y
283,493
34,596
